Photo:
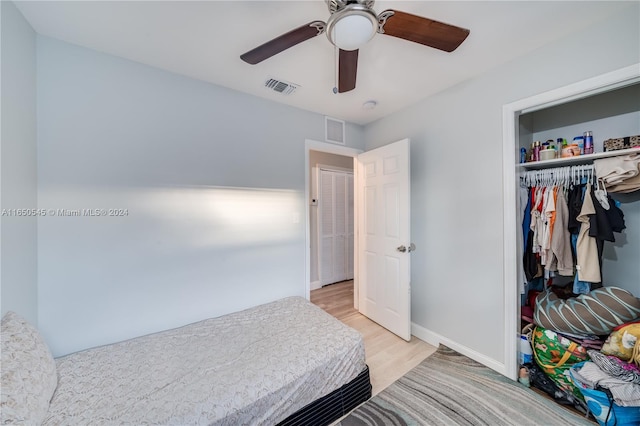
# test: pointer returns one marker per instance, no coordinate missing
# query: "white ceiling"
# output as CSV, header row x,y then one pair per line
x,y
204,39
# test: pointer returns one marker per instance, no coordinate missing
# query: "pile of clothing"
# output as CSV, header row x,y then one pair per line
x,y
619,174
610,380
592,372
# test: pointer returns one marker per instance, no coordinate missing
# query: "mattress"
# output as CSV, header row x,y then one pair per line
x,y
257,366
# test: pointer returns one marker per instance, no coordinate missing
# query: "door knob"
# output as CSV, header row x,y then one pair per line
x,y
403,249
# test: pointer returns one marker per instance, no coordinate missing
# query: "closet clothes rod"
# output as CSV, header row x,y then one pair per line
x,y
561,176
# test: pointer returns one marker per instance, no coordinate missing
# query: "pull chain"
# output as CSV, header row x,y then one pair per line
x,y
336,59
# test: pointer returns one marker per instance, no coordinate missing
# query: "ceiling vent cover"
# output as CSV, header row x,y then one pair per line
x,y
280,86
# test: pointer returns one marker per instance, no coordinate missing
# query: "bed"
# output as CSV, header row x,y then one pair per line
x,y
287,362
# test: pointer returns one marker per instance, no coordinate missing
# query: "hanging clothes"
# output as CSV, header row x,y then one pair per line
x,y
562,256
588,260
548,250
548,218
575,206
565,223
604,222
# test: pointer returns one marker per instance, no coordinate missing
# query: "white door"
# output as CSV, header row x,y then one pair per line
x,y
384,243
335,226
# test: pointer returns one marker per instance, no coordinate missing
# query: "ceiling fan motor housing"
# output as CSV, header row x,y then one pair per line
x,y
353,25
336,5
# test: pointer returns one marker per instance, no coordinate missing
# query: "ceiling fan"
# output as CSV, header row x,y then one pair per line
x,y
352,24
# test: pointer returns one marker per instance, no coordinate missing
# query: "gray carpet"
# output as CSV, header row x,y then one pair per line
x,y
448,388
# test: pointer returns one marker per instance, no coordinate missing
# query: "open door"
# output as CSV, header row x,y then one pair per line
x,y
384,239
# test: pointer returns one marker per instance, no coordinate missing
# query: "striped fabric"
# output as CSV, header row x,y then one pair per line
x,y
448,389
597,312
615,367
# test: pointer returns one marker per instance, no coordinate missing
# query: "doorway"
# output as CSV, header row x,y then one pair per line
x,y
320,155
331,219
382,243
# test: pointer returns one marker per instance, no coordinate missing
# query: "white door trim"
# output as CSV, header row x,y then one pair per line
x,y
313,145
510,143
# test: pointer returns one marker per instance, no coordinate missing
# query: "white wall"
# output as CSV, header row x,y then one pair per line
x,y
456,177
212,180
18,242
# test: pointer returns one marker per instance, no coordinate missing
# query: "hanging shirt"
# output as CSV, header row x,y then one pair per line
x,y
604,223
525,217
552,217
526,214
574,202
562,257
549,211
588,262
536,218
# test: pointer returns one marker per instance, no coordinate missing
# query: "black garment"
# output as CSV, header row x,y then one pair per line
x,y
530,260
604,223
574,202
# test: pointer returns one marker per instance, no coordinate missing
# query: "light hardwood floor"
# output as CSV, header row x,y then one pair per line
x,y
388,356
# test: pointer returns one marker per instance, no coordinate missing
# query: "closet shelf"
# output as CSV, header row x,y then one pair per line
x,y
582,159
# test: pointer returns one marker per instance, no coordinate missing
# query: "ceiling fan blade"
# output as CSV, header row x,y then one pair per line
x,y
283,42
347,70
422,30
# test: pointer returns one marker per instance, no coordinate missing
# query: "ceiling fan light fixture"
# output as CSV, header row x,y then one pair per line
x,y
352,27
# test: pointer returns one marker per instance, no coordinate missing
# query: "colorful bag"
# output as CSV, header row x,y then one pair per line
x,y
555,354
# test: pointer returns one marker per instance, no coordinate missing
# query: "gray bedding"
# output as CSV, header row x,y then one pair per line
x,y
253,367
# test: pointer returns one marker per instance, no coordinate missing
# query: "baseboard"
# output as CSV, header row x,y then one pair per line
x,y
315,285
436,339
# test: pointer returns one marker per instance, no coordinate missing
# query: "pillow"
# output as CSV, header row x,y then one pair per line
x,y
29,375
596,312
621,343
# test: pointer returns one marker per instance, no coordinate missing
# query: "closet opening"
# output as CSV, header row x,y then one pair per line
x,y
608,106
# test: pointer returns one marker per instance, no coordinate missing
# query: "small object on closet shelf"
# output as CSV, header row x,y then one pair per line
x,y
621,143
588,142
572,150
523,155
547,154
536,151
579,140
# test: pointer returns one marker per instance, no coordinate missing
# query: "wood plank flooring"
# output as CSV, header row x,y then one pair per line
x,y
388,356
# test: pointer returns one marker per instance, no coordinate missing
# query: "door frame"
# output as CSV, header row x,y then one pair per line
x,y
510,143
313,145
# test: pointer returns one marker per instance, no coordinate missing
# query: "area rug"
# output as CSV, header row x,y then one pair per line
x,y
448,388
